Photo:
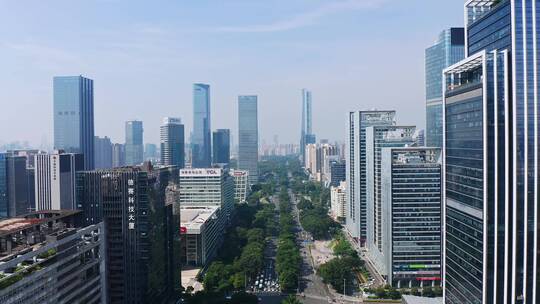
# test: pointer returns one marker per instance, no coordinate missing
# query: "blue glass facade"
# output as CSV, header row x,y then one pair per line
x,y
492,136
73,112
3,186
134,147
221,142
447,50
248,137
201,147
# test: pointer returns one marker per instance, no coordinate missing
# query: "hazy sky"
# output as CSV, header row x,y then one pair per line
x,y
144,57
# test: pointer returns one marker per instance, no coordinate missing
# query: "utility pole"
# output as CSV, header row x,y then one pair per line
x,y
344,286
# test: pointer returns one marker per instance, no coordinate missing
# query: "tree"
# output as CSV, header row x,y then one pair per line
x,y
394,294
428,292
415,292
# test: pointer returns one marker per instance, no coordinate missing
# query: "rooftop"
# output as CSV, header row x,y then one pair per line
x,y
17,224
193,218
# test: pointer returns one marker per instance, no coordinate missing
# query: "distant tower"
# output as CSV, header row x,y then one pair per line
x,y
248,137
103,152
134,142
201,141
221,144
306,136
172,142
74,116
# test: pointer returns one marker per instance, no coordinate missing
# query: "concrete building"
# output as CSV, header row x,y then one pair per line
x,y
377,138
45,257
172,142
338,201
201,231
207,188
73,113
134,147
55,180
411,216
241,185
356,168
248,137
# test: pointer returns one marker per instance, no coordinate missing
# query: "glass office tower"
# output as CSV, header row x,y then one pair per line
x,y
248,137
134,148
447,50
356,167
201,138
3,186
73,112
172,142
221,144
306,136
491,157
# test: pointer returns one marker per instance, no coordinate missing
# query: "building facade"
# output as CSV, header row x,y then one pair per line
x,y
134,147
221,145
241,185
377,138
411,199
46,257
118,155
248,137
356,167
73,113
172,142
447,50
337,172
201,141
338,201
55,180
103,153
201,230
491,158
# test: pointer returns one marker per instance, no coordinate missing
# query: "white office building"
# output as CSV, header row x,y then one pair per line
x,y
201,229
338,201
241,181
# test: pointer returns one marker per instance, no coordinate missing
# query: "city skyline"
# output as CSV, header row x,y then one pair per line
x,y
117,63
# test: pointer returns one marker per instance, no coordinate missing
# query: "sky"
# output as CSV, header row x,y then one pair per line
x,y
144,57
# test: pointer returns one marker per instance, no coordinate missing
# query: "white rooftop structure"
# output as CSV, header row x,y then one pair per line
x,y
193,218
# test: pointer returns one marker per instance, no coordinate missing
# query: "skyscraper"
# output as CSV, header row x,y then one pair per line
x,y
55,180
306,136
248,137
119,155
356,167
134,147
172,142
74,116
411,216
447,50
17,186
491,157
221,144
103,153
201,140
377,138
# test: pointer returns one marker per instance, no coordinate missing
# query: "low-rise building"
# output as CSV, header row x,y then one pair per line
x,y
45,257
200,229
240,185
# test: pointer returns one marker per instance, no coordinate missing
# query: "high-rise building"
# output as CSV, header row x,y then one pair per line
x,y
118,155
74,116
377,138
17,186
151,153
103,153
207,187
337,172
356,167
411,216
142,265
420,138
248,137
241,185
318,158
55,180
491,154
221,145
201,234
134,148
47,257
306,136
172,142
201,145
4,206
447,50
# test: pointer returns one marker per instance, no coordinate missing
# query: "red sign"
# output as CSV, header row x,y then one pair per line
x,y
183,230
428,279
